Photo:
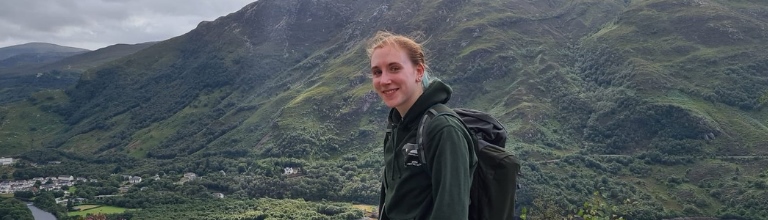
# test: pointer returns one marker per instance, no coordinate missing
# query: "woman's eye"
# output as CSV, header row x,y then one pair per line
x,y
394,69
376,73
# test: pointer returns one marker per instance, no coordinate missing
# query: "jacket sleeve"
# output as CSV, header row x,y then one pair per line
x,y
382,195
452,160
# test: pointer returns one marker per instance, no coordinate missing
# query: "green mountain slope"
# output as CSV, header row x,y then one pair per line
x,y
52,70
28,60
657,104
95,58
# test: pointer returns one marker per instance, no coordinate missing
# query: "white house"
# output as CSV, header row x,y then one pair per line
x,y
6,161
5,187
190,176
67,178
134,179
218,195
61,201
290,171
47,187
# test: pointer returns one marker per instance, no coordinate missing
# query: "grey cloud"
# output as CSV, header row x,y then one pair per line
x,y
97,23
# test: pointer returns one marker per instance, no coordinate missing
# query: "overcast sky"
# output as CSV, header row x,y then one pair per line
x,y
93,24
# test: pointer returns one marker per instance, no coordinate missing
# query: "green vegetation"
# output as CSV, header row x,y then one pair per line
x,y
85,210
14,209
247,209
595,209
28,125
85,207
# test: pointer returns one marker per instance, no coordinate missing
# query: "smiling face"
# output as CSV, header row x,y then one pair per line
x,y
395,78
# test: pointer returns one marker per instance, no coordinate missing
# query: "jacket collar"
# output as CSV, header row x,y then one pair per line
x,y
437,93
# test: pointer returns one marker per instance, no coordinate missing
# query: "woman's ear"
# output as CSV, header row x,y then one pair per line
x,y
420,71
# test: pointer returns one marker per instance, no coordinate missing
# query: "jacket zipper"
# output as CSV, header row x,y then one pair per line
x,y
393,144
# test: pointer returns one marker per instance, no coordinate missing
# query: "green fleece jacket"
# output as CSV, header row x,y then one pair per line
x,y
408,191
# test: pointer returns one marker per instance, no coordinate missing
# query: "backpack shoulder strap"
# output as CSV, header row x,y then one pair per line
x,y
432,112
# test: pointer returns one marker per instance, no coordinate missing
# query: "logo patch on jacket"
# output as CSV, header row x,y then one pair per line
x,y
411,155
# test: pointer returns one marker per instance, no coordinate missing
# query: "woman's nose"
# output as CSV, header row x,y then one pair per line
x,y
385,78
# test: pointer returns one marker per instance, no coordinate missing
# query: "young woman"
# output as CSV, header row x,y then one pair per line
x,y
409,190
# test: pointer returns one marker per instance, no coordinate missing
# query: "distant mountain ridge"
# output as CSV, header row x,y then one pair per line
x,y
85,61
667,85
37,48
30,55
33,58
25,73
29,59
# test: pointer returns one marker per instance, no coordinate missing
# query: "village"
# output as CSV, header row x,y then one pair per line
x,y
41,183
88,193
64,182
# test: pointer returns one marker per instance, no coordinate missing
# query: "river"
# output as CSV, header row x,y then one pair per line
x,y
39,214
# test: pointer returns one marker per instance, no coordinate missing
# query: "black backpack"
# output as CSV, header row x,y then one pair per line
x,y
494,181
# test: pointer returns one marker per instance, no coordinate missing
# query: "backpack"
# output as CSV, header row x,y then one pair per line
x,y
494,181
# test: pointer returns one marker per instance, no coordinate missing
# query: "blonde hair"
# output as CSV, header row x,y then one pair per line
x,y
414,50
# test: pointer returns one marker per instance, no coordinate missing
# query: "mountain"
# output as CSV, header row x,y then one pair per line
x,y
85,61
33,54
33,58
53,70
29,59
657,104
36,48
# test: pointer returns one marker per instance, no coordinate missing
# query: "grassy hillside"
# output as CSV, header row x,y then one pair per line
x,y
29,124
85,61
51,70
657,104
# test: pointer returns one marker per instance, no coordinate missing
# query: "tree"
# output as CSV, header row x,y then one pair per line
x,y
23,194
543,209
762,100
70,205
45,199
14,210
597,209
